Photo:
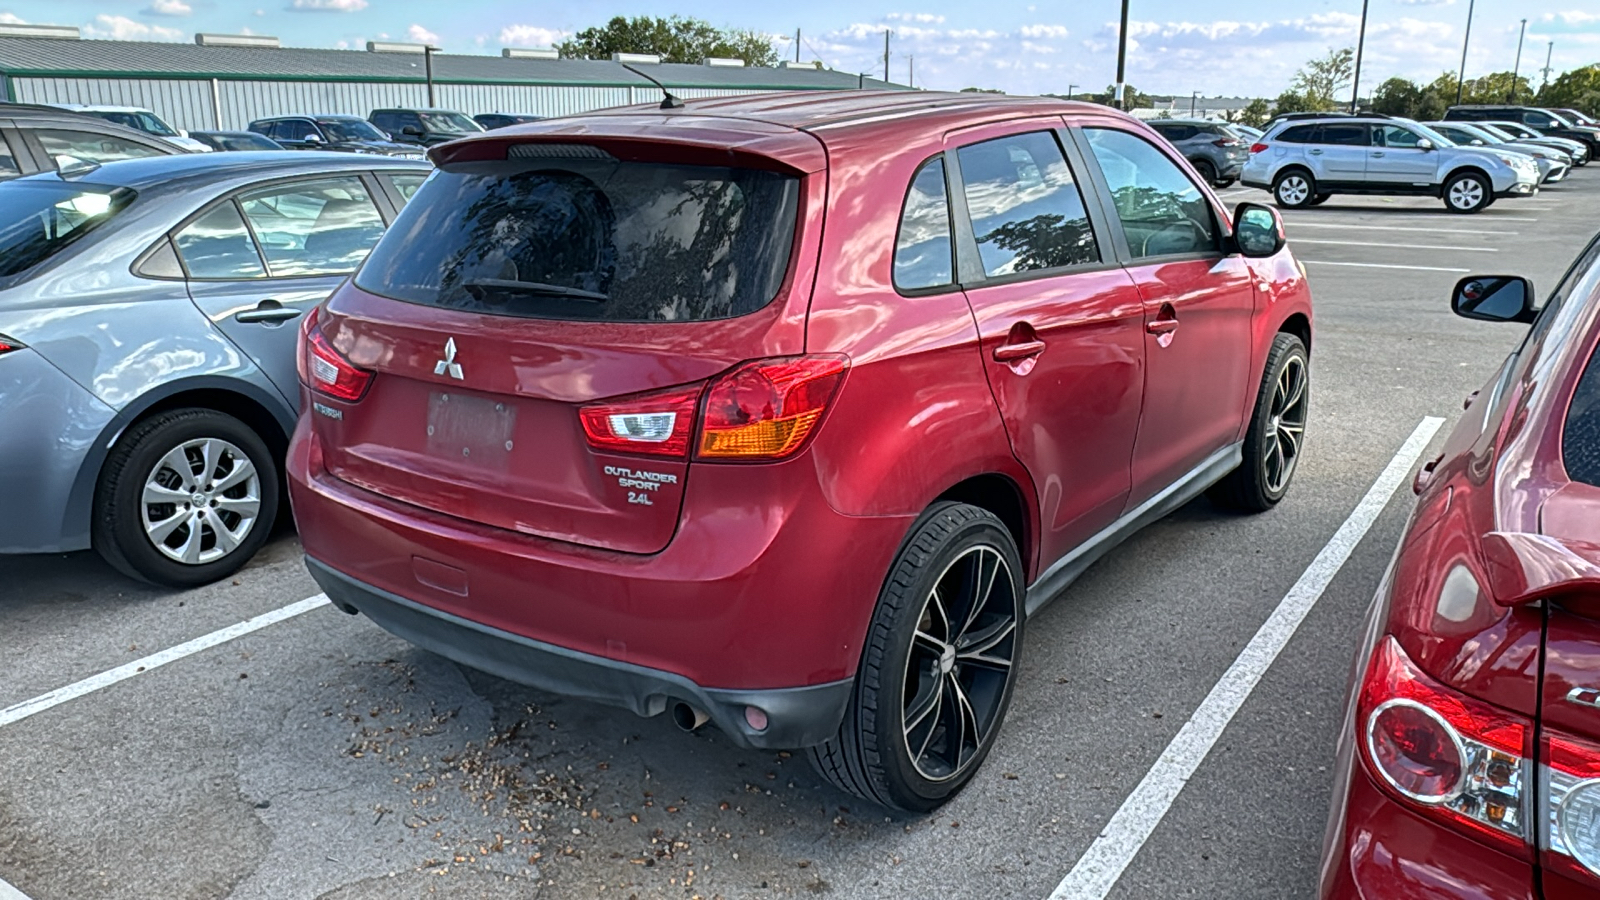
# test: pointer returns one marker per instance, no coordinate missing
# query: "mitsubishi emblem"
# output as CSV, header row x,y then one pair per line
x,y
449,364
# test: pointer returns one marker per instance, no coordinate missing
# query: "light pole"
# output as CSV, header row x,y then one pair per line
x,y
1461,80
1511,95
1122,61
1361,43
1193,96
886,33
1547,54
427,62
1070,89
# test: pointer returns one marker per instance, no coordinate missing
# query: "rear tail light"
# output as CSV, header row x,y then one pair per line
x,y
9,344
1455,759
1572,785
760,410
1257,147
655,424
1226,142
324,369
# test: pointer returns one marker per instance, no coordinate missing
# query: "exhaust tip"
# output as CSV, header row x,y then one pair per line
x,y
687,717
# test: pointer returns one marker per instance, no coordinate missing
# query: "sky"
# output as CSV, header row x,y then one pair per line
x,y
1241,48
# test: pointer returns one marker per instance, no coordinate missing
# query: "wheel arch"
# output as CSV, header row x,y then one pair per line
x,y
1464,169
1001,495
1300,326
1300,167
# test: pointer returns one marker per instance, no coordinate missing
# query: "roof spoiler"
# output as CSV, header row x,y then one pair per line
x,y
1523,567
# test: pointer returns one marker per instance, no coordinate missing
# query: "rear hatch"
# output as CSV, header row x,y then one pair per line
x,y
539,288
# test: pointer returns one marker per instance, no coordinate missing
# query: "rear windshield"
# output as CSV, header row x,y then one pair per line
x,y
39,219
591,239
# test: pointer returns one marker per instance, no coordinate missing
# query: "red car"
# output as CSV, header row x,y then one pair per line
x,y
785,411
1470,757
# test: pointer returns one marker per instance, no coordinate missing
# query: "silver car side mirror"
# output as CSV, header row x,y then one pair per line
x,y
1424,144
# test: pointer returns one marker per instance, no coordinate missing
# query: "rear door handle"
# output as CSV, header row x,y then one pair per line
x,y
1009,353
1161,326
268,312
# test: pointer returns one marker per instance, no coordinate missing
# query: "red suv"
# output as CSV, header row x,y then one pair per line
x,y
785,411
1470,756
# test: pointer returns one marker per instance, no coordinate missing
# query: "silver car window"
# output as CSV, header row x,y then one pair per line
x,y
217,246
325,227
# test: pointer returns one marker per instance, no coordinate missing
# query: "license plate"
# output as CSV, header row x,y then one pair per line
x,y
470,429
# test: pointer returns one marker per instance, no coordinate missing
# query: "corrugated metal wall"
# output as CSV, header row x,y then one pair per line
x,y
189,104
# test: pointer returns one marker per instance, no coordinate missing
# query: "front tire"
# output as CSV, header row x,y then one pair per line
x,y
187,497
1467,193
1276,437
938,668
1294,189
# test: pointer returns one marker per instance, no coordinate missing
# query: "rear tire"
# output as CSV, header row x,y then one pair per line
x,y
1467,193
1208,172
938,667
1294,189
1222,183
1276,437
186,498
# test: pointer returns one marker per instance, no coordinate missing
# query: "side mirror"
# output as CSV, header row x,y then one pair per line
x,y
1258,230
313,138
1424,144
1494,298
1477,142
411,130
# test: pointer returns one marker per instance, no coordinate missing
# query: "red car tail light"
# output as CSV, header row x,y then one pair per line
x,y
1572,785
1226,142
1257,147
324,369
8,344
1453,758
654,424
767,408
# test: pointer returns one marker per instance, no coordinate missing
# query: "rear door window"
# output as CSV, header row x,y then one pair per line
x,y
407,185
923,251
218,246
1027,212
1163,213
66,146
548,235
324,227
1297,134
1341,135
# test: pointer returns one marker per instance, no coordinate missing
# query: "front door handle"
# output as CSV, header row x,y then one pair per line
x,y
1377,153
1314,152
1010,353
1164,325
267,311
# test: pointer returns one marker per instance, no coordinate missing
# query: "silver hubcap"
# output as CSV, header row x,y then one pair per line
x,y
1286,426
201,501
960,663
1466,193
1293,190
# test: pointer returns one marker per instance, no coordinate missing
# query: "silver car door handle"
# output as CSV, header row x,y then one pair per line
x,y
1314,152
264,313
1376,153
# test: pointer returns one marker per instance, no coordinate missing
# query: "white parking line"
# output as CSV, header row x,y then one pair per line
x,y
1102,864
1326,262
1399,246
16,713
1402,228
1402,217
7,892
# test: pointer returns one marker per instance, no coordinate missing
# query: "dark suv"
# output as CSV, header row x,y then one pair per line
x,y
424,126
1543,120
1215,151
44,138
345,134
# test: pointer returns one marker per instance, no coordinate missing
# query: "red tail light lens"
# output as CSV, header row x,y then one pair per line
x,y
1257,147
1226,142
324,369
1447,755
1573,799
655,424
766,409
9,344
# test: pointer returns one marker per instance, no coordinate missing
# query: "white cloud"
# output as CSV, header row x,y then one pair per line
x,y
1573,17
168,8
531,36
1054,32
1424,2
122,28
923,18
328,5
260,13
421,35
10,19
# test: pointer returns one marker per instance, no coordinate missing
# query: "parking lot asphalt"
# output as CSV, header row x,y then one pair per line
x,y
320,757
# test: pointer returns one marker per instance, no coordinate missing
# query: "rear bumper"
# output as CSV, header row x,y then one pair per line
x,y
48,426
796,717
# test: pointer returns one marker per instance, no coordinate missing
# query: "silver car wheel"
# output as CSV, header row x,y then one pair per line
x,y
200,501
1286,426
1293,190
1466,193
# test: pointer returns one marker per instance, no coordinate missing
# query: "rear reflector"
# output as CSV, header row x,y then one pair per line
x,y
766,409
1257,147
324,369
655,424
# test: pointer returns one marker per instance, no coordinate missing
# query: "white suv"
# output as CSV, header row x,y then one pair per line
x,y
1305,161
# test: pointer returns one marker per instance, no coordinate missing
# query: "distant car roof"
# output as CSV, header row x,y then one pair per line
x,y
414,109
248,134
101,107
242,167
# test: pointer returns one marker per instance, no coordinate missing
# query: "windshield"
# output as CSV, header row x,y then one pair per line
x,y
40,219
245,142
1438,139
452,122
1499,133
1482,134
1559,119
591,239
351,130
142,121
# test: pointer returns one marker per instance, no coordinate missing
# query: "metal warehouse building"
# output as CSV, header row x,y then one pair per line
x,y
227,81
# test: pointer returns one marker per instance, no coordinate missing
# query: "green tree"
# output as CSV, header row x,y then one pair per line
x,y
1255,113
1320,82
1108,97
677,39
1578,89
1404,97
1294,101
1496,87
979,90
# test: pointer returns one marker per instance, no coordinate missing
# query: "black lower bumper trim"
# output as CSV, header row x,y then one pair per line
x,y
796,717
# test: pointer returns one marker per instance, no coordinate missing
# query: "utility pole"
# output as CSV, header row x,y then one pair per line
x,y
886,33
797,45
1546,69
1193,96
427,62
1118,93
911,70
1361,43
1070,89
1461,80
1511,95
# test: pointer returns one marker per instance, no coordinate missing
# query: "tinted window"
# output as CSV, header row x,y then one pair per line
x,y
448,122
385,122
350,130
1162,211
218,246
244,142
39,220
591,239
1580,437
67,147
1537,119
407,185
139,121
923,251
1025,206
295,130
314,228
8,160
1394,136
1342,135
1298,134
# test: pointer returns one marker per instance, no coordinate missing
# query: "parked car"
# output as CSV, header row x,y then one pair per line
x,y
1306,161
1576,117
139,119
1469,760
1512,130
147,346
1214,149
236,140
1249,133
491,121
426,127
1553,164
607,358
1548,123
344,134
45,138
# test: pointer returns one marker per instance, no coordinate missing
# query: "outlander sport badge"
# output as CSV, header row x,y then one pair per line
x,y
449,364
